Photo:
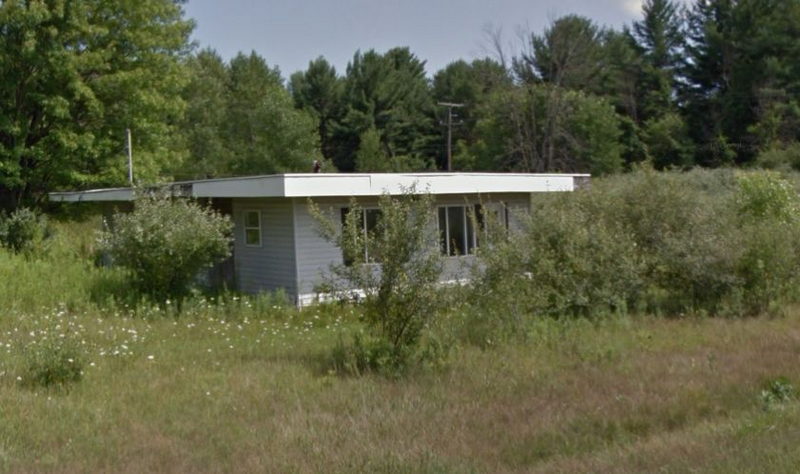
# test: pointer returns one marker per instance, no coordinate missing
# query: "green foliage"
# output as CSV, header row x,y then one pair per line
x,y
82,73
703,242
567,54
240,120
369,354
263,132
742,75
165,243
24,231
565,262
766,195
400,297
781,158
777,392
319,91
388,92
54,361
370,157
667,141
659,39
546,128
469,84
207,98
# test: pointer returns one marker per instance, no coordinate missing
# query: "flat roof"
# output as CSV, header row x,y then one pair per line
x,y
341,184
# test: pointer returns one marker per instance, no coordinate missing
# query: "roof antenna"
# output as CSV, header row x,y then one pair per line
x,y
130,156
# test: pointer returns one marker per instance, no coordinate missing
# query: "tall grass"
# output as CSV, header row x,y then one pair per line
x,y
233,383
61,273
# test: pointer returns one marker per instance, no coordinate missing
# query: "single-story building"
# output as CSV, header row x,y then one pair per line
x,y
276,241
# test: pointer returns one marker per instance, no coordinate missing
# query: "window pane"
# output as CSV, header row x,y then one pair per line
x,y
443,230
251,219
252,236
456,238
373,215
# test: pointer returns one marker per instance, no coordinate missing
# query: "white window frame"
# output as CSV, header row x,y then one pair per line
x,y
245,214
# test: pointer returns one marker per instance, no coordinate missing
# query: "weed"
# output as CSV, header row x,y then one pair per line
x,y
776,393
53,361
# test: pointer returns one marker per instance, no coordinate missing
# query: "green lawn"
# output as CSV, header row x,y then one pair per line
x,y
238,388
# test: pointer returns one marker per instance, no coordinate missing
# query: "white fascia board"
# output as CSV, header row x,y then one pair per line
x,y
339,185
96,195
324,185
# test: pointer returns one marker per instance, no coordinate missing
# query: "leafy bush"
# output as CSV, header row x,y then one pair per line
x,y
709,242
782,158
166,243
23,231
53,362
399,294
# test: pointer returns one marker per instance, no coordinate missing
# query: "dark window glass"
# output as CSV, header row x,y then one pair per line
x,y
456,222
251,219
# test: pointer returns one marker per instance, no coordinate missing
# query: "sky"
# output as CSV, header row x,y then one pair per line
x,y
289,34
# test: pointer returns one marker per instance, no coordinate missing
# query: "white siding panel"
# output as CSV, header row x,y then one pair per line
x,y
270,266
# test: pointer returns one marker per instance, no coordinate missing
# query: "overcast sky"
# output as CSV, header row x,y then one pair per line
x,y
290,33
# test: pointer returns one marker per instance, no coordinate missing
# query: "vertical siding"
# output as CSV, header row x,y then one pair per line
x,y
272,265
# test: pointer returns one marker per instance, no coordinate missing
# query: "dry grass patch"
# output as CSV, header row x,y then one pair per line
x,y
250,395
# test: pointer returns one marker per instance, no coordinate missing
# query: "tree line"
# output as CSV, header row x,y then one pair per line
x,y
714,83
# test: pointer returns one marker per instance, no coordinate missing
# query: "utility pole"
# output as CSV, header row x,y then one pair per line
x,y
450,107
130,156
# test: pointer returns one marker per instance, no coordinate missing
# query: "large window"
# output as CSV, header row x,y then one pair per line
x,y
457,234
367,221
457,226
252,228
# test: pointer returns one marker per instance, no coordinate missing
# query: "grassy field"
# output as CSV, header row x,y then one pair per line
x,y
237,388
245,385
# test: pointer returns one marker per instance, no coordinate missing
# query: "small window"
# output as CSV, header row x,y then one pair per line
x,y
252,228
369,219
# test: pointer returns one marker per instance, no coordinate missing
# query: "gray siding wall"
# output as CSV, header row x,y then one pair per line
x,y
315,254
272,265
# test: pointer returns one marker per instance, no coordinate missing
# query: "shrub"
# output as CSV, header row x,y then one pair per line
x,y
53,362
708,242
769,225
166,243
765,195
23,231
783,158
399,293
